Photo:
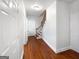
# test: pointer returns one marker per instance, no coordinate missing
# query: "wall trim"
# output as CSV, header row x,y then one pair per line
x,y
54,49
62,49
71,47
57,50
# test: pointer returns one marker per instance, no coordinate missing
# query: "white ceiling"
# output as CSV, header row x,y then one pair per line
x,y
43,3
29,3
7,10
69,1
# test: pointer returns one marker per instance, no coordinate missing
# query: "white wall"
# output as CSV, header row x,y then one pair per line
x,y
8,42
56,29
61,30
63,39
74,26
49,29
38,21
31,26
33,23
7,35
12,33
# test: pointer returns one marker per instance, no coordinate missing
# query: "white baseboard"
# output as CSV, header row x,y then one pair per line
x,y
54,49
62,49
22,54
77,50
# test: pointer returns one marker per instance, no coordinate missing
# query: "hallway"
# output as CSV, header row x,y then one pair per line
x,y
37,49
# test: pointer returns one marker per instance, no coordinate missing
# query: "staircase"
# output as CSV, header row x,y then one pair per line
x,y
40,27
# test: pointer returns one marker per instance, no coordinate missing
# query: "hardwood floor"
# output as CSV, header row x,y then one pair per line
x,y
38,49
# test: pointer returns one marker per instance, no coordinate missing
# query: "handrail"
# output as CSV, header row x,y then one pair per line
x,y
39,28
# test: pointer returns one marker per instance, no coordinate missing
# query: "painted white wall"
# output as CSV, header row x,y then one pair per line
x,y
56,29
49,29
33,23
8,36
31,26
38,20
63,24
74,26
7,25
11,26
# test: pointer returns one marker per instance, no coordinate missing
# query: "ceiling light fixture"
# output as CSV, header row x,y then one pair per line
x,y
36,6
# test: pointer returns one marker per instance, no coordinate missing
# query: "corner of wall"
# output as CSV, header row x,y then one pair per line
x,y
54,49
71,47
62,49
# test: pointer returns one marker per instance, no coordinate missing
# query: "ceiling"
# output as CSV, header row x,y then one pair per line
x,y
28,3
8,7
69,1
43,3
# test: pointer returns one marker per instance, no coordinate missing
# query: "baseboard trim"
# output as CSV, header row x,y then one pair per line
x,y
62,49
49,45
55,49
74,49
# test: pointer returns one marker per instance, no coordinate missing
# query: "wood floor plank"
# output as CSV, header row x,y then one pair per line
x,y
38,49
